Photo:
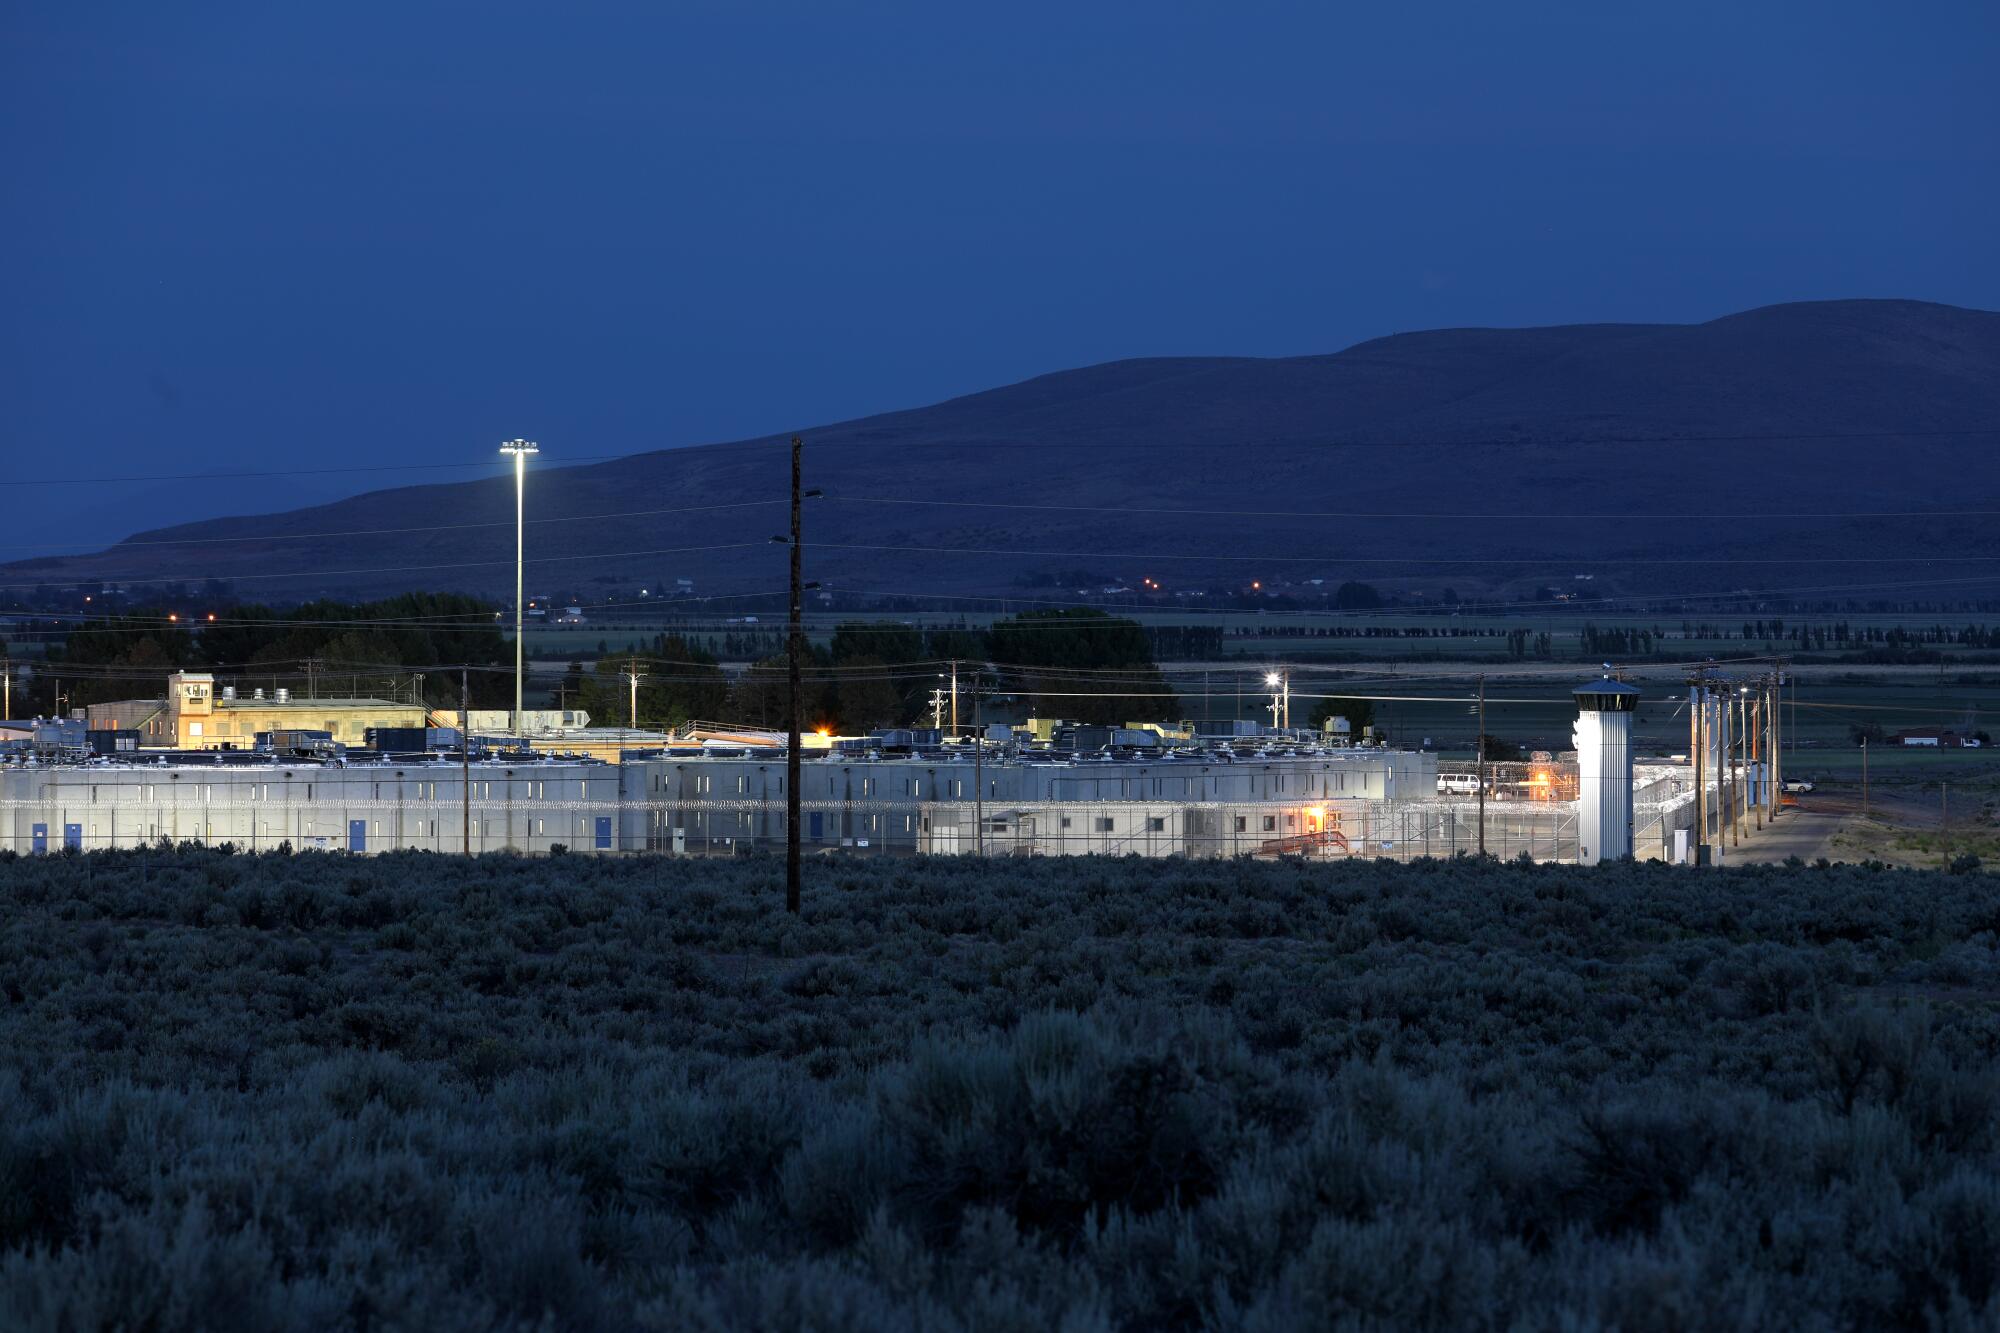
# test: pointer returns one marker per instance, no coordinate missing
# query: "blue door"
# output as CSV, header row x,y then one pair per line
x,y
357,835
604,833
73,837
41,837
817,825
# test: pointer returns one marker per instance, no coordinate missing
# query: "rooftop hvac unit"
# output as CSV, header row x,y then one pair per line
x,y
229,691
258,693
284,695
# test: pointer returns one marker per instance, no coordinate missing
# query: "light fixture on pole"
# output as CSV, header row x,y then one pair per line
x,y
1281,699
520,449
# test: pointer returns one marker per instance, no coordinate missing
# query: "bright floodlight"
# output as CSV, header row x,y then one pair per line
x,y
1272,679
520,449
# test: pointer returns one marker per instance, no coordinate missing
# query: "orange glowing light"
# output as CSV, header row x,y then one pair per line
x,y
211,615
173,615
825,731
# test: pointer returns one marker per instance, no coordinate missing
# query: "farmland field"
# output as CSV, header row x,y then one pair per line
x,y
418,1092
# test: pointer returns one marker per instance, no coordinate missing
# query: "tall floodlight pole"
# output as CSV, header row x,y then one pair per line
x,y
520,449
792,655
1480,759
465,759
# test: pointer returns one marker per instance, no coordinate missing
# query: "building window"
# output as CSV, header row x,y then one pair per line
x,y
1065,821
194,728
743,785
1104,824
1157,825
1242,824
1270,823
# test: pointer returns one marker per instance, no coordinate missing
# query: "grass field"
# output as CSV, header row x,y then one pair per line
x,y
416,1092
1275,636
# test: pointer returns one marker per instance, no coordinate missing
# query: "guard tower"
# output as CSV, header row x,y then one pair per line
x,y
1603,739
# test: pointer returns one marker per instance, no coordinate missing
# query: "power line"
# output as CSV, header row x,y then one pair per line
x,y
928,443
121,543
95,480
1419,560
398,569
1388,514
932,443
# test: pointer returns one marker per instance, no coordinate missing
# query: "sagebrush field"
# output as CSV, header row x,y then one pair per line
x,y
416,1092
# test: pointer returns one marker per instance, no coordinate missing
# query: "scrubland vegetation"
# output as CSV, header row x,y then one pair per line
x,y
420,1093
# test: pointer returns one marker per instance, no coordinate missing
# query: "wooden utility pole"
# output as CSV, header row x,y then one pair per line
x,y
794,650
1757,754
978,777
1480,763
1864,777
465,758
1697,704
1738,776
1944,824
954,698
7,683
1777,737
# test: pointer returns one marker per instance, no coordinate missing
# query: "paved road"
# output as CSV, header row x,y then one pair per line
x,y
1805,831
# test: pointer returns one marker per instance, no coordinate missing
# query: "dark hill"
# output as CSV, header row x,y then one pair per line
x,y
1833,407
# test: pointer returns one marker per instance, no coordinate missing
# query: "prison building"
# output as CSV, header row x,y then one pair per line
x,y
258,802
720,804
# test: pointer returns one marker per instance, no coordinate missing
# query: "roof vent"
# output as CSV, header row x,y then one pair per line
x,y
229,691
259,693
284,696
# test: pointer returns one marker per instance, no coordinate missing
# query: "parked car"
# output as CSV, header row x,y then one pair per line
x,y
1798,784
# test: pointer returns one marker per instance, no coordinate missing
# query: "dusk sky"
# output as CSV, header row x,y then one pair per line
x,y
256,236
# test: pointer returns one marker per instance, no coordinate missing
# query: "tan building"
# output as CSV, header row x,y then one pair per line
x,y
203,716
148,717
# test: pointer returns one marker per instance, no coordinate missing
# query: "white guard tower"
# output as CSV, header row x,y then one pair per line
x,y
1603,738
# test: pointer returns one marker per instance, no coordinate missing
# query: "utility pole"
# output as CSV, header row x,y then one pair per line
x,y
519,449
794,649
1480,761
1864,777
1697,709
1944,824
465,758
1741,805
954,698
1777,739
632,680
1757,756
7,684
978,775
937,709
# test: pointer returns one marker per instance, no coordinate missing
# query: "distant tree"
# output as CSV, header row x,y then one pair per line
x,y
677,682
758,696
1358,712
1082,663
864,696
1352,596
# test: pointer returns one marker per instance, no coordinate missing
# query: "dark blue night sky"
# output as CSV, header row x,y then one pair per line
x,y
247,235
